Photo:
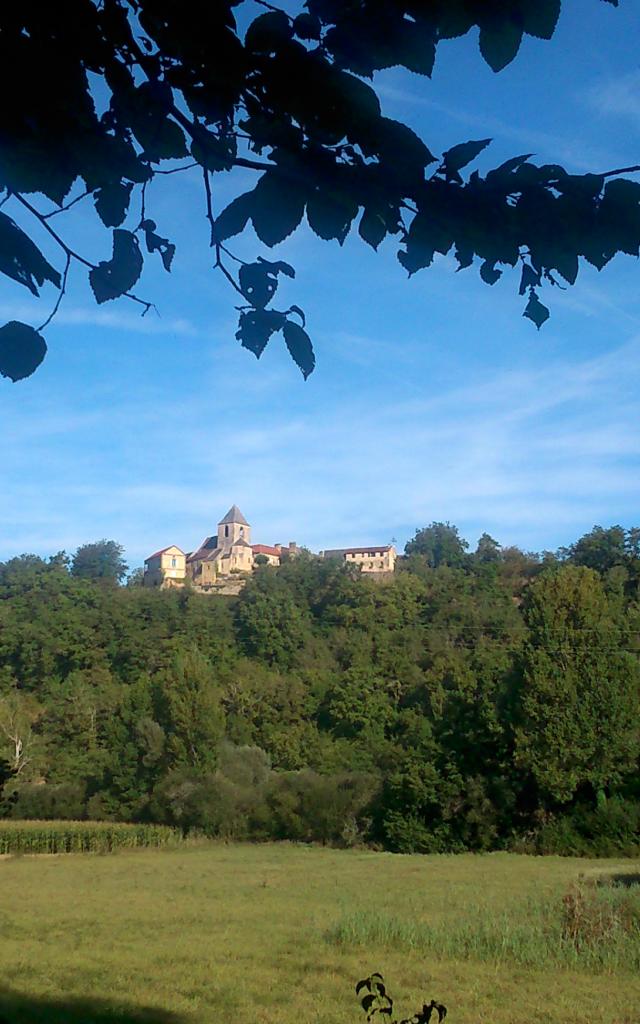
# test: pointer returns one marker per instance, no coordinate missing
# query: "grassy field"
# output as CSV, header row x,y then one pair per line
x,y
280,934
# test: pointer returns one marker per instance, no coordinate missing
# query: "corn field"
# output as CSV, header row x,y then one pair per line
x,y
81,836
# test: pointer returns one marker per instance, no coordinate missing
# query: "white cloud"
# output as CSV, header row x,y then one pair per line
x,y
116,319
618,96
551,146
535,456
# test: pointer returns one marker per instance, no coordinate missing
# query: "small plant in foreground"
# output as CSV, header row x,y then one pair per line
x,y
377,1000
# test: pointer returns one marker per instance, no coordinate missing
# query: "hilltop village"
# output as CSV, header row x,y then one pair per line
x,y
226,559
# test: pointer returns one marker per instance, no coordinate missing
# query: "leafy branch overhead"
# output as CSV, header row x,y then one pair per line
x,y
183,88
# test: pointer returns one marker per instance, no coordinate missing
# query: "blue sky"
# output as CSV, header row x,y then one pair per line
x,y
433,399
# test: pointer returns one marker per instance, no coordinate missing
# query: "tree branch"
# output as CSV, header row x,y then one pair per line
x,y
63,209
63,290
71,254
270,7
210,217
620,170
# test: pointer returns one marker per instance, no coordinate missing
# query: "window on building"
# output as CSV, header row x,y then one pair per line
x,y
174,562
226,531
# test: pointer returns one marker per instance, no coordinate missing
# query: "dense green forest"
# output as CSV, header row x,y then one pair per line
x,y
476,700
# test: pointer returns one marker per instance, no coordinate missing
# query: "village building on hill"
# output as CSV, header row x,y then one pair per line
x,y
224,561
228,555
370,558
165,568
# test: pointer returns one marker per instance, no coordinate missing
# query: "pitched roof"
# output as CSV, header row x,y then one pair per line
x,y
265,549
207,550
162,551
234,515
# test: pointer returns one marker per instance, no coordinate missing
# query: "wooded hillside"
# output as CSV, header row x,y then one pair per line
x,y
474,701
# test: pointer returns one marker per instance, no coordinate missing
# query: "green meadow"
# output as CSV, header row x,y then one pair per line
x,y
279,934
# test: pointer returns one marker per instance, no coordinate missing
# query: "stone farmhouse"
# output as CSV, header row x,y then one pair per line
x,y
224,560
371,558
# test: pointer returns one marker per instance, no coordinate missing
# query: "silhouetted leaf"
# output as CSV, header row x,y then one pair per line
x,y
372,227
214,153
567,264
112,203
500,42
268,32
455,20
502,174
330,213
464,257
530,278
234,217
22,350
146,108
363,983
427,235
580,185
623,191
20,258
113,278
278,267
307,26
167,255
459,156
300,347
300,312
535,310
256,326
541,17
417,49
155,243
258,283
277,208
367,1002
398,143
489,272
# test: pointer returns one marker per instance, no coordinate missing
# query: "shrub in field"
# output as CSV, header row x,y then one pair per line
x,y
601,917
609,830
309,807
244,799
65,801
80,836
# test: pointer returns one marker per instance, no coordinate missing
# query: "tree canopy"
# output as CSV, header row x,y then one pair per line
x,y
101,560
106,96
470,705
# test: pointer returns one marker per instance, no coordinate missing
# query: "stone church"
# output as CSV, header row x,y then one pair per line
x,y
226,554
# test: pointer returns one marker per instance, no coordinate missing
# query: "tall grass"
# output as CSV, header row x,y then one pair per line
x,y
593,926
81,836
